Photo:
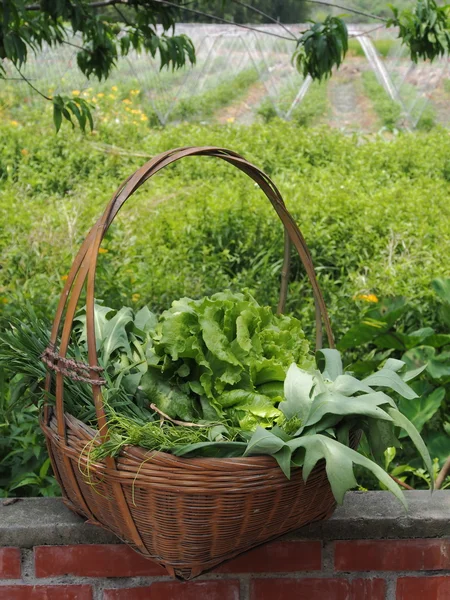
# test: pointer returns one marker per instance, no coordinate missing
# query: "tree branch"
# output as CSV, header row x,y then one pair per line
x,y
442,474
346,8
93,5
260,12
31,85
401,483
226,21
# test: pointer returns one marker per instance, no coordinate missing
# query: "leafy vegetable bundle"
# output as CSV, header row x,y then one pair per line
x,y
223,376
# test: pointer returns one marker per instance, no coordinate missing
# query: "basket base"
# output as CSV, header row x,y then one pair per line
x,y
188,515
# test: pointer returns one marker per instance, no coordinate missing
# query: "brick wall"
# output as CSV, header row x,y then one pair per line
x,y
369,550
415,569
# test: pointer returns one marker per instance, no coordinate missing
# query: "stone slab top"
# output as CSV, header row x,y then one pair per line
x,y
32,522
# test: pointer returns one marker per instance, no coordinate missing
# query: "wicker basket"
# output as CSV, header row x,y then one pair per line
x,y
187,514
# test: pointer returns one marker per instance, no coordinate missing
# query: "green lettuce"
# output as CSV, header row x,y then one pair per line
x,y
227,350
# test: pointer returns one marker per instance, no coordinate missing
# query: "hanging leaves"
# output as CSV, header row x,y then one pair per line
x,y
70,109
425,30
321,48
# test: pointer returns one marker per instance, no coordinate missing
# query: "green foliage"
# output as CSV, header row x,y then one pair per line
x,y
321,48
204,366
70,108
25,27
24,465
425,30
384,332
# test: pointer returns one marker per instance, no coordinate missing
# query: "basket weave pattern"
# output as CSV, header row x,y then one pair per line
x,y
188,514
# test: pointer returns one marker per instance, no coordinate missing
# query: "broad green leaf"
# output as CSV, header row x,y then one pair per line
x,y
115,335
437,365
211,449
44,468
393,364
130,382
283,458
381,435
339,464
438,443
442,288
101,314
402,341
169,399
390,379
330,363
409,375
263,442
272,389
297,392
348,385
57,117
420,410
361,334
332,403
144,320
401,421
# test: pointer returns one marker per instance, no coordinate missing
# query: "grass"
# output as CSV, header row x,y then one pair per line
x,y
390,112
361,205
311,111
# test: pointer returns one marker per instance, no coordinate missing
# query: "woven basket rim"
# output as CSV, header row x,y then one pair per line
x,y
261,460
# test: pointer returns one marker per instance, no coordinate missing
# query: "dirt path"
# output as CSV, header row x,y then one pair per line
x,y
351,109
243,110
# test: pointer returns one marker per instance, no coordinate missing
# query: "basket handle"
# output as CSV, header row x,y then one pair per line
x,y
84,267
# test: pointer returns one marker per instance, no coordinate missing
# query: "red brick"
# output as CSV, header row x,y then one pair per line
x,y
108,560
46,592
174,590
317,589
277,557
392,555
423,588
368,589
10,563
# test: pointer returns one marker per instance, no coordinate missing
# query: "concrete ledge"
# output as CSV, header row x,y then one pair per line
x,y
365,515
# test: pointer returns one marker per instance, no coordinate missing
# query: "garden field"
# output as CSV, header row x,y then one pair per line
x,y
375,212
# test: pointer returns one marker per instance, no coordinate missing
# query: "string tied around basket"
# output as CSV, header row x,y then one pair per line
x,y
69,367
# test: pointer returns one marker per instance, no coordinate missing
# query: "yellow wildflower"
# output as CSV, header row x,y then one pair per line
x,y
126,101
112,96
15,123
115,88
100,95
24,152
103,250
135,111
134,92
144,118
230,120
135,297
76,92
366,297
64,278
